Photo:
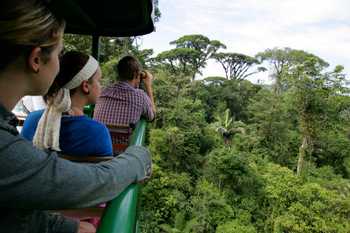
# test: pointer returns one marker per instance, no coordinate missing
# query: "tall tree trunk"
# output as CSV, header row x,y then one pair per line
x,y
277,87
302,152
307,132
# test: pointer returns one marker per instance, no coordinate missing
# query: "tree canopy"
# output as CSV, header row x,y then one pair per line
x,y
237,65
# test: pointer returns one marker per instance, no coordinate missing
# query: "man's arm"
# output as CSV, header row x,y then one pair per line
x,y
33,179
148,88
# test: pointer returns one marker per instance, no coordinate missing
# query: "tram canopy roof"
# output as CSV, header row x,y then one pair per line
x,y
119,18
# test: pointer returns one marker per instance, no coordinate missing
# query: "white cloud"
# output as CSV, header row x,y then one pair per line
x,y
250,26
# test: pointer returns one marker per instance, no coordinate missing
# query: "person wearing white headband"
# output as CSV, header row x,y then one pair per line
x,y
62,126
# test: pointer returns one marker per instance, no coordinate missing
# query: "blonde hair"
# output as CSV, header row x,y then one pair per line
x,y
25,24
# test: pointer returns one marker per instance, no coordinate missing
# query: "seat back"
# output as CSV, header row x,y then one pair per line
x,y
120,135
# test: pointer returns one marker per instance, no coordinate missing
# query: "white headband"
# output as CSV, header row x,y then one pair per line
x,y
84,74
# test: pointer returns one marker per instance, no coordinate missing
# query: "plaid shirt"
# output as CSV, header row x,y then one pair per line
x,y
122,104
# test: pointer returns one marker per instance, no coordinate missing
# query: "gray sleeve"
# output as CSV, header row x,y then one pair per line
x,y
60,224
30,178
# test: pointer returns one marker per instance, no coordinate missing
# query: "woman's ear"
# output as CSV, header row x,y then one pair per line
x,y
34,59
85,87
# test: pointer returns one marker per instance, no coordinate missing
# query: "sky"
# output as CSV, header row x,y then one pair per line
x,y
321,27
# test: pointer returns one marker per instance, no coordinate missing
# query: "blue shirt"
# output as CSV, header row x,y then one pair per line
x,y
79,135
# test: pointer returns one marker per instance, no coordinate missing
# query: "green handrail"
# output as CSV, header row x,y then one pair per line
x,y
120,215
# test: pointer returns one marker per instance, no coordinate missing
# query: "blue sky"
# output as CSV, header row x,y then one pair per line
x,y
321,27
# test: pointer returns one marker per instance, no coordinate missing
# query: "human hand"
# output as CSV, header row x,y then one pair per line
x,y
148,172
85,227
147,78
143,156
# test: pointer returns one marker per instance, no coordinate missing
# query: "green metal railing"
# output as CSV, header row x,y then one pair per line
x,y
120,215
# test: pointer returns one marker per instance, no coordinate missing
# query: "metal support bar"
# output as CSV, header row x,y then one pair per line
x,y
96,47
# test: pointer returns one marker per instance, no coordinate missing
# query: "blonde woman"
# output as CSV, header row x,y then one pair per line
x,y
33,180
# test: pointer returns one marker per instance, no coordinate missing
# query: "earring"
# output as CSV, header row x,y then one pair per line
x,y
36,71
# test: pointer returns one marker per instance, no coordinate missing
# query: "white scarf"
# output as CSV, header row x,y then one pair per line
x,y
48,130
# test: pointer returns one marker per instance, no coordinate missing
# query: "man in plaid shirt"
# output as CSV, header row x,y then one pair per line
x,y
124,103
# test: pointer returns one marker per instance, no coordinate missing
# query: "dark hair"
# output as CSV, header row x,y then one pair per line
x,y
127,66
70,64
24,25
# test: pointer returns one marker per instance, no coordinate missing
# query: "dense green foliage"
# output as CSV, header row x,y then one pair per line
x,y
233,156
257,158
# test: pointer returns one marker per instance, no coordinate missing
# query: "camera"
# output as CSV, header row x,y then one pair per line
x,y
143,74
